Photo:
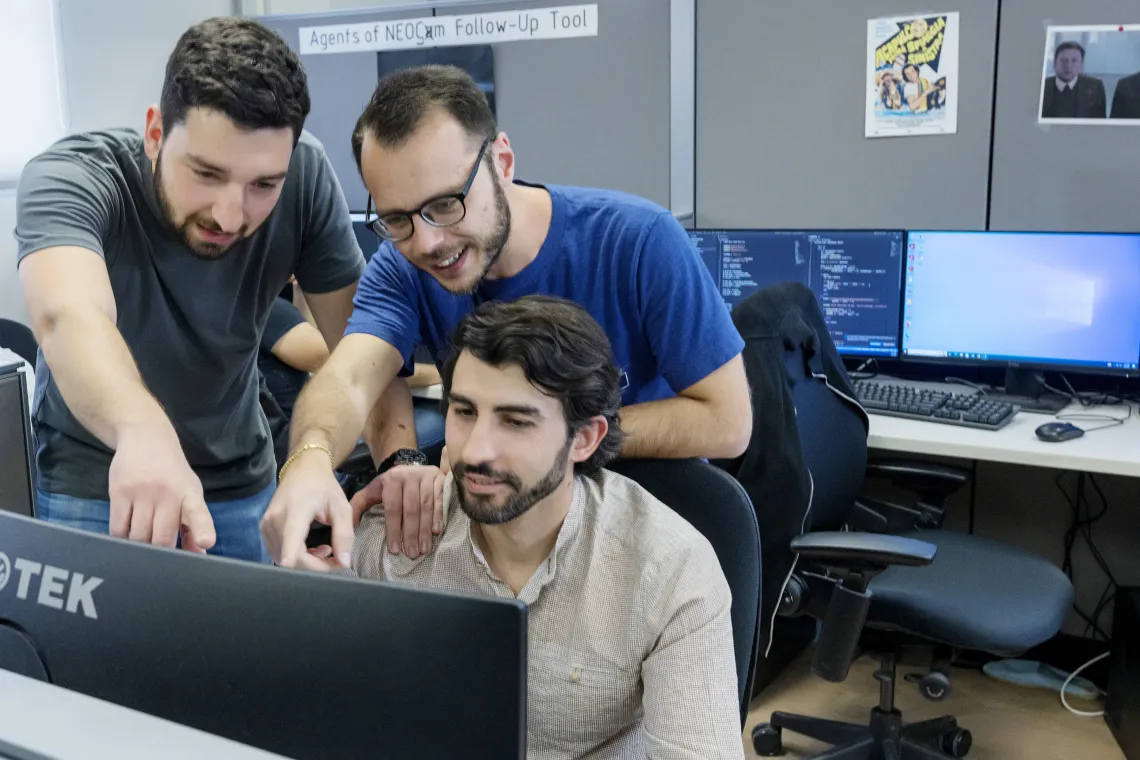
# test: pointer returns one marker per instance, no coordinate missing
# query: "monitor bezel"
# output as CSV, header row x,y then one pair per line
x,y
1006,363
16,371
852,355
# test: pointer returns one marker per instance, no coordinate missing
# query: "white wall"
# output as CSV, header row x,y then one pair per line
x,y
114,55
11,300
287,7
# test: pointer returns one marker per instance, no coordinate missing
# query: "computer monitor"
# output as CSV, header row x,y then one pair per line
x,y
855,275
1028,301
477,60
298,663
369,242
17,455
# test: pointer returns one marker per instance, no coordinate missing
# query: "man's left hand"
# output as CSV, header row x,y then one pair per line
x,y
412,496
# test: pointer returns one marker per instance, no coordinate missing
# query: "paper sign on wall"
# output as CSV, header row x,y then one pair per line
x,y
449,31
912,75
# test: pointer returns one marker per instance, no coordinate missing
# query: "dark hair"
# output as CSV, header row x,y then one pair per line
x,y
403,98
240,68
1069,46
561,350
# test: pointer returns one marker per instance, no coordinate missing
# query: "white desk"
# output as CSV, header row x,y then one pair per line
x,y
429,391
65,725
1113,450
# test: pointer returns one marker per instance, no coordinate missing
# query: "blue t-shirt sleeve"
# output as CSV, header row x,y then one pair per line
x,y
686,322
386,303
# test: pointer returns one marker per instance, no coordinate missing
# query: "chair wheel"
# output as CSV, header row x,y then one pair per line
x,y
767,740
935,686
957,743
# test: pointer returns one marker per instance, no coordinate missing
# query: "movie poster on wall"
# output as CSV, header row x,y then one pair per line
x,y
1091,76
912,75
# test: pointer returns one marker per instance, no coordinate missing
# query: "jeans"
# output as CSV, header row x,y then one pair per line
x,y
236,523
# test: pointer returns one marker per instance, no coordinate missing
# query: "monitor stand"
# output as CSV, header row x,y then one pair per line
x,y
1024,388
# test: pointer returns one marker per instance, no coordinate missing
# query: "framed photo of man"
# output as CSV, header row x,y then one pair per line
x,y
1091,76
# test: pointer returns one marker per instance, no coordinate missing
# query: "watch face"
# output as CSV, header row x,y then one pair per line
x,y
402,457
410,456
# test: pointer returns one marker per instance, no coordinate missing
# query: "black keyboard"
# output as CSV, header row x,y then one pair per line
x,y
965,409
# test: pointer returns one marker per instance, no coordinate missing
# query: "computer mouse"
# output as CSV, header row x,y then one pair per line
x,y
1055,432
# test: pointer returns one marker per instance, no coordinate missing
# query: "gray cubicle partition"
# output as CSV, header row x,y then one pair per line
x,y
340,86
1057,177
780,119
585,110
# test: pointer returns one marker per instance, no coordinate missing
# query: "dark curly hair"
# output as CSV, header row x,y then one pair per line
x,y
240,68
403,98
561,350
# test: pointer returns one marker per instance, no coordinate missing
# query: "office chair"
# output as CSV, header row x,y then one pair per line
x,y
930,482
717,506
887,591
19,338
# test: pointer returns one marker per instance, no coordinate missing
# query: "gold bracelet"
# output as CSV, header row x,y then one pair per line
x,y
302,450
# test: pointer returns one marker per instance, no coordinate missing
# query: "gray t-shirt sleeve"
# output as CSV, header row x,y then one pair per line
x,y
330,256
64,201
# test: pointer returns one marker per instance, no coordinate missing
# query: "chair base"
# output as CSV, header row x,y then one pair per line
x,y
884,738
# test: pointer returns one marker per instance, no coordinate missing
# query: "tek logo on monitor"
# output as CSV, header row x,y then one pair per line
x,y
56,587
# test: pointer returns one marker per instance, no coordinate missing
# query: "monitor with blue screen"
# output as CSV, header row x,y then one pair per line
x,y
855,275
1024,300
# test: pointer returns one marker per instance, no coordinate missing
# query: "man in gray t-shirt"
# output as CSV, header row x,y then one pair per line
x,y
149,264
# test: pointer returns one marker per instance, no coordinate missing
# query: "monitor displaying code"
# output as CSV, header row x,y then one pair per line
x,y
855,275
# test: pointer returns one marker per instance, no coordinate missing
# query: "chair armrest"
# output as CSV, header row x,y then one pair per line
x,y
852,550
932,482
878,516
931,474
841,600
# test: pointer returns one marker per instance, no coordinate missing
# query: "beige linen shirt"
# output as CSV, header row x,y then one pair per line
x,y
629,636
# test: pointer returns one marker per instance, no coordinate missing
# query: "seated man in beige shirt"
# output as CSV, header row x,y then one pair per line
x,y
629,637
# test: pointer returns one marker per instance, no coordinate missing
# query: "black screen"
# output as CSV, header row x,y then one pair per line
x,y
16,492
298,663
476,60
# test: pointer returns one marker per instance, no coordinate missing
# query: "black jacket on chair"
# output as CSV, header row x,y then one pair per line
x,y
781,324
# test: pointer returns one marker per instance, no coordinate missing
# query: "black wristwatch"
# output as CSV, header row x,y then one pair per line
x,y
401,456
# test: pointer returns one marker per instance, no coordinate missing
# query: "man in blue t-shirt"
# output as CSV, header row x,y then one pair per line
x,y
459,229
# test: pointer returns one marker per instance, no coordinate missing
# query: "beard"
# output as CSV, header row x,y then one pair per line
x,y
491,244
200,248
480,508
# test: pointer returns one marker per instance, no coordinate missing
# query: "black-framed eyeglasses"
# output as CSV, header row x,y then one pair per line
x,y
442,211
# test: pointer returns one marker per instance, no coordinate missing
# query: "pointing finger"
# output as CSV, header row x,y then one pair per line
x,y
198,523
